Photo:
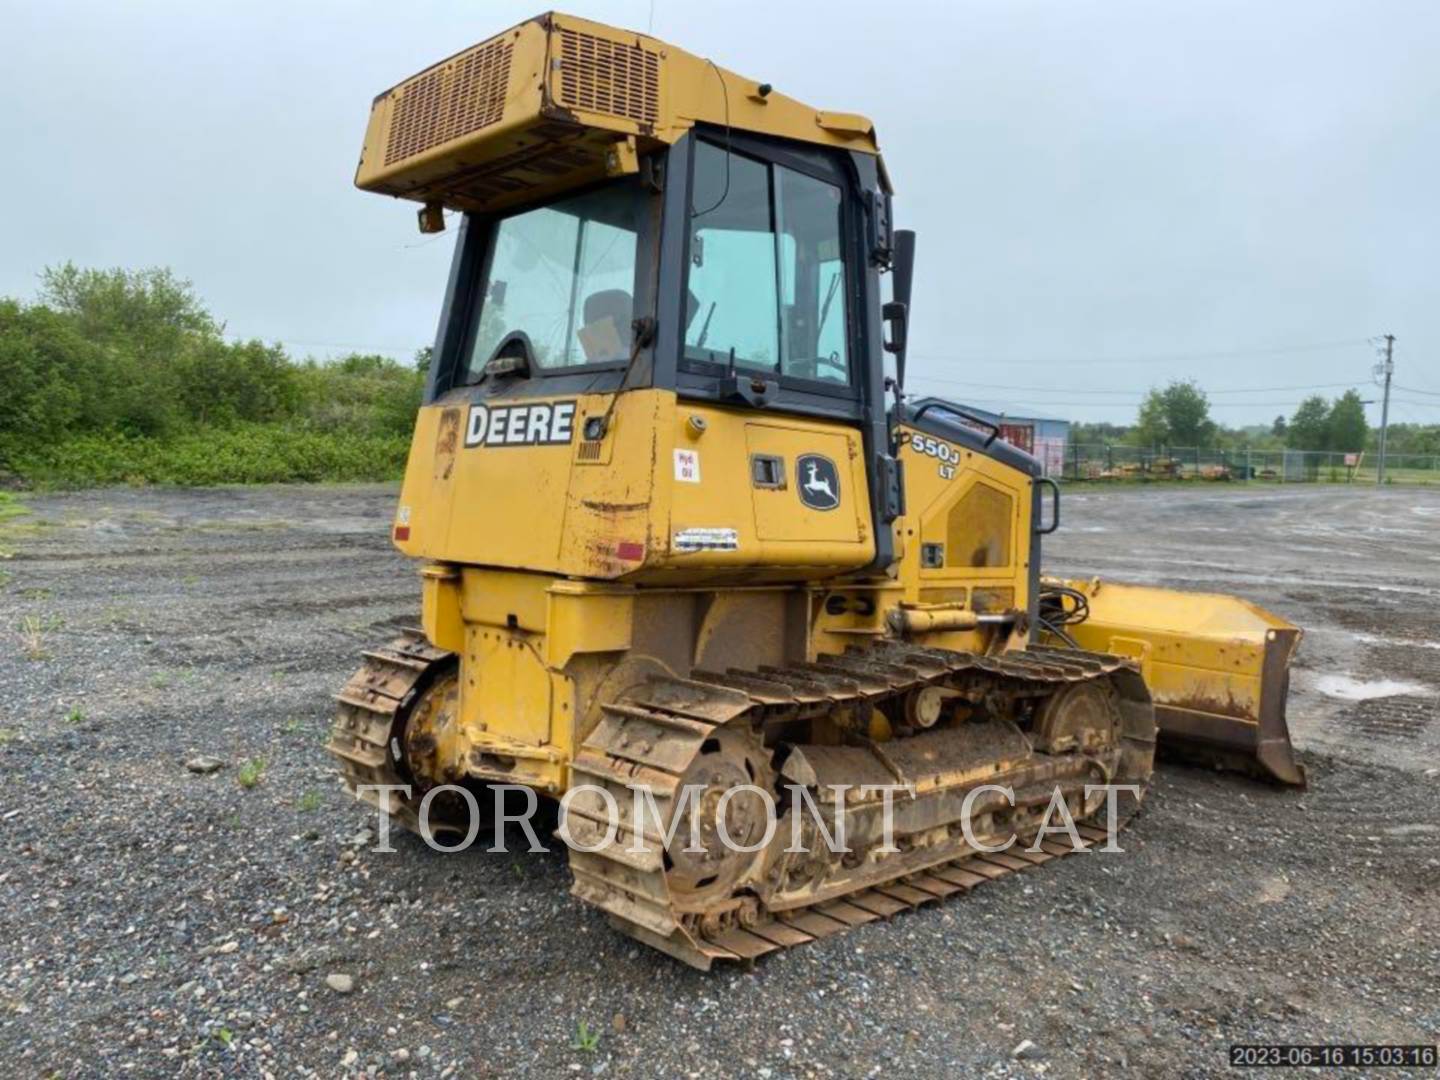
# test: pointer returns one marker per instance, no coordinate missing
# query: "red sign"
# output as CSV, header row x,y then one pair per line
x,y
1019,435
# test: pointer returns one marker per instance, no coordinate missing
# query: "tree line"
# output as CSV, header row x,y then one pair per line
x,y
121,375
1178,415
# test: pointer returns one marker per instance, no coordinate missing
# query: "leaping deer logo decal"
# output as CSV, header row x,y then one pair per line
x,y
818,482
818,485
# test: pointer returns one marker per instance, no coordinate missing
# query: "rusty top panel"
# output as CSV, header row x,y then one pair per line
x,y
558,102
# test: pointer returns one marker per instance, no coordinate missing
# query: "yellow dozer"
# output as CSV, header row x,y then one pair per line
x,y
679,530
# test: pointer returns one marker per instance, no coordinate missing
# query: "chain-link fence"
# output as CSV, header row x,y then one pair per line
x,y
1095,461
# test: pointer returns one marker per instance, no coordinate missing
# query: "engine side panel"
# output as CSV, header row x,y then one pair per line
x,y
967,538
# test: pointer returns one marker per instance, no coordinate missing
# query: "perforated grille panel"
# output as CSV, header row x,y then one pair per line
x,y
461,96
977,532
603,76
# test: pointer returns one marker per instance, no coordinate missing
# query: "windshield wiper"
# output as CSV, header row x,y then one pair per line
x,y
825,307
705,326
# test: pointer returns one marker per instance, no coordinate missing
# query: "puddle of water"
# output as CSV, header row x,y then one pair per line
x,y
1371,639
1347,688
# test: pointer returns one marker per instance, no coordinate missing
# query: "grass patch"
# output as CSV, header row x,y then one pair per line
x,y
35,633
11,506
12,528
585,1039
8,735
251,773
75,716
10,509
309,802
114,614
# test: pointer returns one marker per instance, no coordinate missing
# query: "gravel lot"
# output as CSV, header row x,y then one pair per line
x,y
157,922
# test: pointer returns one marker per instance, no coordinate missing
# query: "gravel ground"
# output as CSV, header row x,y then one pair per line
x,y
158,922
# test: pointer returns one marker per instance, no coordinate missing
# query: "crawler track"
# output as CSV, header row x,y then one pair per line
x,y
365,738
720,730
659,734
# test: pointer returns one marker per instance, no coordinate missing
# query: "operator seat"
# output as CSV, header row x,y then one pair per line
x,y
616,305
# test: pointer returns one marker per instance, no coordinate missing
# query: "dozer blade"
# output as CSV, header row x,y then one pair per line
x,y
1217,666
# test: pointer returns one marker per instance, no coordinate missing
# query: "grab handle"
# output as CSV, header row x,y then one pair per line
x,y
1054,506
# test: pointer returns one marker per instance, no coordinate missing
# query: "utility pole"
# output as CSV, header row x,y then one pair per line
x,y
1387,368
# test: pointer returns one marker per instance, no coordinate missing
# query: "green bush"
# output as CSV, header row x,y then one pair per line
x,y
121,376
38,351
366,393
246,454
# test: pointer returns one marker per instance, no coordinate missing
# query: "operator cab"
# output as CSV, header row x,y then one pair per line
x,y
766,292
731,267
765,238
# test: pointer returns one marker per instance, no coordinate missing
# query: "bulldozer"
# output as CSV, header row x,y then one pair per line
x,y
680,527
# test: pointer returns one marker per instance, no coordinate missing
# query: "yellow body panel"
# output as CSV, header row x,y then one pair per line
x,y
941,479
939,475
667,496
778,514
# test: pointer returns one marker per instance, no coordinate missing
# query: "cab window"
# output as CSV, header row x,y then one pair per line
x,y
564,275
766,285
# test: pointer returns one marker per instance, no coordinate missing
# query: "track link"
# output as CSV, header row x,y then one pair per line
x,y
652,736
372,710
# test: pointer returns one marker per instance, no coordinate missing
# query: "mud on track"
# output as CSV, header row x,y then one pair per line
x,y
155,923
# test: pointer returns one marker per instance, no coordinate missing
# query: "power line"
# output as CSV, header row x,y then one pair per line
x,y
1417,390
1113,393
1012,403
1150,358
1127,398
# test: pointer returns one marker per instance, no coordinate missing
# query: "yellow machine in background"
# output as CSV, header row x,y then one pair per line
x,y
678,527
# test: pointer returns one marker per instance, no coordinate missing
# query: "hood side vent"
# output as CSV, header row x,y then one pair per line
x,y
602,76
454,99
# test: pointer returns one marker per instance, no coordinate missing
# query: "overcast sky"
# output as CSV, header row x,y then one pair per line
x,y
1108,193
